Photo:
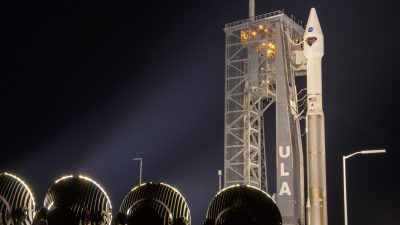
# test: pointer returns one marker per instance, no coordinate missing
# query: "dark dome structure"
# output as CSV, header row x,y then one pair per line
x,y
242,205
154,204
75,200
17,205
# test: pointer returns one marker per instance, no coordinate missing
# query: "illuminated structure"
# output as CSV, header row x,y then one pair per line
x,y
75,200
240,204
263,58
155,204
313,51
17,204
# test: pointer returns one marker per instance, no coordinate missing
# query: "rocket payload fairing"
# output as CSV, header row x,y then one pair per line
x,y
313,51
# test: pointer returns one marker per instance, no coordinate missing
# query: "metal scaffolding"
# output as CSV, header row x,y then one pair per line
x,y
260,69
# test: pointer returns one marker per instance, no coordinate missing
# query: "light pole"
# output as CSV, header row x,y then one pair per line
x,y
219,176
344,176
141,164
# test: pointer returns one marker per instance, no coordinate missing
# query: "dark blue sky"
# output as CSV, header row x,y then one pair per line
x,y
85,87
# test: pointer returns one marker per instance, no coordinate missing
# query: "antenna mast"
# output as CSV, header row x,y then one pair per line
x,y
251,9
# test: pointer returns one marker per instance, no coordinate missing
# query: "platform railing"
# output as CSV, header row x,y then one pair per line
x,y
262,16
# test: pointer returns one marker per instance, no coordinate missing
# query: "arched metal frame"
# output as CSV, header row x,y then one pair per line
x,y
244,198
91,199
164,195
170,217
18,203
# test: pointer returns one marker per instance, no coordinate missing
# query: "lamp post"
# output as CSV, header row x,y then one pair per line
x,y
344,176
220,182
141,164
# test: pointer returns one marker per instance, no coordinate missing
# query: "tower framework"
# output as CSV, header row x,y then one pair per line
x,y
261,65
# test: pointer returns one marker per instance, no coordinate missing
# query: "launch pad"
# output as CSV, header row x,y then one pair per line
x,y
264,56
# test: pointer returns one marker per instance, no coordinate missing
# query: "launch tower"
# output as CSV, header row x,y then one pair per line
x,y
263,58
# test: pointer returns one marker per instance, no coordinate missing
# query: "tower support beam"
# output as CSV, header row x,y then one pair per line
x,y
258,73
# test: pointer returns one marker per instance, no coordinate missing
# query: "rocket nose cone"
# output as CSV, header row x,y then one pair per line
x,y
313,23
313,37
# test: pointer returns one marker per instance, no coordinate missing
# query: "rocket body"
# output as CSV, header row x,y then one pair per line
x,y
316,166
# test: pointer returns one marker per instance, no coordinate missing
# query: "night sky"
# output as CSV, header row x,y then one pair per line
x,y
87,86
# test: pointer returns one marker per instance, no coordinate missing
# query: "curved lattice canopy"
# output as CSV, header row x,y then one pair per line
x,y
17,205
156,204
242,205
75,200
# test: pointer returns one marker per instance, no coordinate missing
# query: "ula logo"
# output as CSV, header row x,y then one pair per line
x,y
285,159
310,29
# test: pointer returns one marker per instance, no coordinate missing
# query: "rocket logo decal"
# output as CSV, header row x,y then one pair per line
x,y
310,29
312,102
311,40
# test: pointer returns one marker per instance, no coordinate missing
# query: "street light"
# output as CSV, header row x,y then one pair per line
x,y
344,176
220,182
141,164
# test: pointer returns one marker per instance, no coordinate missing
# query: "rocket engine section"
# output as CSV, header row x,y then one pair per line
x,y
154,204
17,205
242,205
75,200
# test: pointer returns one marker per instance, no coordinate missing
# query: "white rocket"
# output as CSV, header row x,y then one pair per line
x,y
313,51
